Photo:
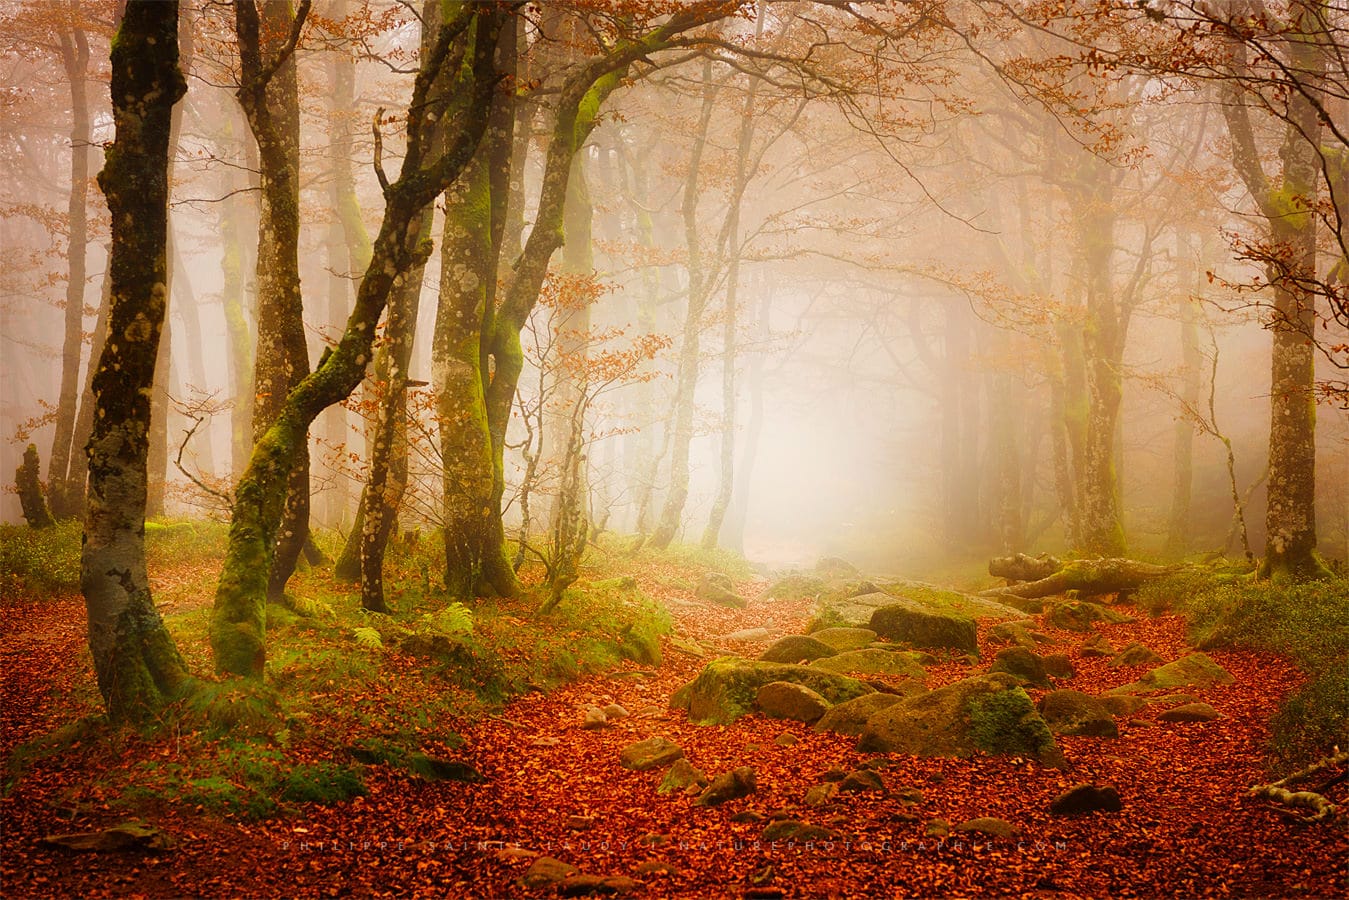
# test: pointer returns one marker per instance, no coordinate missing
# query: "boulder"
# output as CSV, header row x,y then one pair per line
x,y
795,648
989,713
613,712
546,871
794,587
851,717
1190,712
1076,713
786,700
821,794
748,634
652,753
1058,665
594,718
872,661
860,780
787,739
726,688
923,626
1020,632
1023,664
1193,670
1080,615
843,639
835,567
989,826
714,587
1122,704
683,776
732,785
1098,645
1086,798
1135,654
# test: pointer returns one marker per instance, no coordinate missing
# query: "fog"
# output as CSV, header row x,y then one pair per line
x,y
926,224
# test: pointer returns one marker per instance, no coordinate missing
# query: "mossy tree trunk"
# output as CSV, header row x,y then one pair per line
x,y
236,307
1285,204
268,92
137,664
238,624
67,498
28,483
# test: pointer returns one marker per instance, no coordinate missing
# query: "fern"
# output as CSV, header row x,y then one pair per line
x,y
368,637
455,619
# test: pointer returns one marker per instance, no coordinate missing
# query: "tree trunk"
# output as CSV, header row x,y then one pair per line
x,y
137,664
234,301
734,537
1089,577
686,381
67,499
84,422
238,625
1191,360
28,483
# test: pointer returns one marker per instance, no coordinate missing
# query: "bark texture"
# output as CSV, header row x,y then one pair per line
x,y
137,664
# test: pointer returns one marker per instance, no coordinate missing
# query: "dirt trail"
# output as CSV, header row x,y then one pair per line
x,y
557,790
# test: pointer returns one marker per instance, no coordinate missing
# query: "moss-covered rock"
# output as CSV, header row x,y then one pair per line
x,y
1190,712
682,777
785,700
1021,633
796,647
987,712
1135,654
1079,615
989,826
923,626
652,753
717,588
851,717
732,785
726,688
844,639
873,662
794,587
1192,670
1022,663
1058,665
1076,713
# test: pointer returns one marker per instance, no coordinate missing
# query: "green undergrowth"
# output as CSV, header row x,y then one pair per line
x,y
1307,622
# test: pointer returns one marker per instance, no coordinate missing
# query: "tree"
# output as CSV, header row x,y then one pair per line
x,y
238,624
136,661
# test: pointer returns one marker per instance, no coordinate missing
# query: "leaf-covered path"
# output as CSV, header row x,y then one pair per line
x,y
555,789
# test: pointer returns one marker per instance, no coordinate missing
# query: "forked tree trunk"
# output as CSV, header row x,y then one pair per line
x,y
137,664
238,623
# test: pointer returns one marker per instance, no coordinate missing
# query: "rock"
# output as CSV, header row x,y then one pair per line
x,y
986,712
126,836
1099,645
653,753
613,712
732,785
873,662
785,700
654,867
748,635
908,795
1122,704
796,647
594,718
1190,712
1193,670
861,780
924,626
714,587
682,777
1020,633
786,740
1021,663
792,830
726,688
1076,713
580,823
592,885
835,567
821,794
1086,798
843,639
545,871
1169,700
435,769
938,828
834,775
1058,665
794,587
851,717
999,828
1079,615
748,817
1135,654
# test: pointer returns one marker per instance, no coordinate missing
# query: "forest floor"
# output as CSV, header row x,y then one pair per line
x,y
555,789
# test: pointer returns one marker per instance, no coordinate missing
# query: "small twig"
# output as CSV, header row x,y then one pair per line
x,y
178,463
379,153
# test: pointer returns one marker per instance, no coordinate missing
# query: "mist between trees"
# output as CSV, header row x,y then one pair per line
x,y
921,281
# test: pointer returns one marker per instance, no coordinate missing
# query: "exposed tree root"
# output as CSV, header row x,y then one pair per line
x,y
1322,809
